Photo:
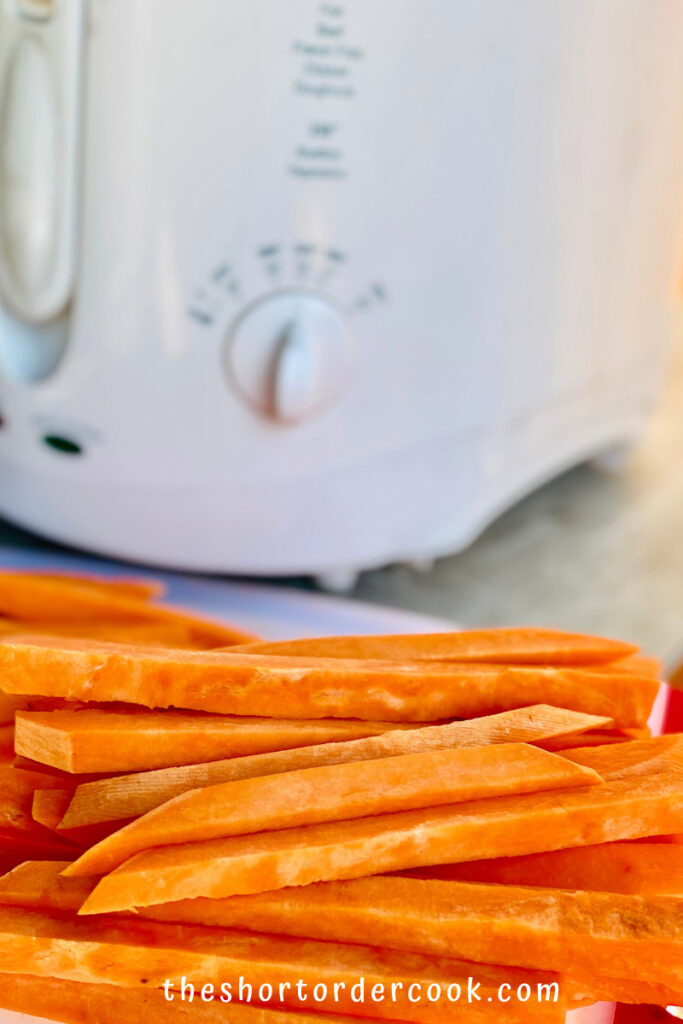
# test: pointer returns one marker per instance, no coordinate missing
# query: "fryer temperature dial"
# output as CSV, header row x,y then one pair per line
x,y
289,354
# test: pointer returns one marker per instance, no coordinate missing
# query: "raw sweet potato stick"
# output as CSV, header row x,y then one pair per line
x,y
49,806
77,1003
39,886
31,598
92,740
126,586
640,665
133,795
644,796
577,934
17,786
139,953
248,684
150,634
337,792
629,868
514,646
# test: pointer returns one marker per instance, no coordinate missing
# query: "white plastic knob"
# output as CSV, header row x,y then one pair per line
x,y
294,376
289,354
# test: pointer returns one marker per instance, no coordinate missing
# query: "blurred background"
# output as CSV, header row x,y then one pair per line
x,y
382,299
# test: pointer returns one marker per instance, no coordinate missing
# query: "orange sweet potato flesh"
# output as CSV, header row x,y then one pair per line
x,y
513,646
640,665
133,795
149,634
48,809
49,806
133,954
142,589
17,786
246,684
6,742
594,738
41,886
337,792
91,740
577,934
21,836
643,796
629,868
32,598
9,704
77,1003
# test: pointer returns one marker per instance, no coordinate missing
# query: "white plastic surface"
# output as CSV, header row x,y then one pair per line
x,y
489,195
289,354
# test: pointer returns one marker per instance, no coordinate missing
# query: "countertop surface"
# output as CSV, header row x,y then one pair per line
x,y
591,551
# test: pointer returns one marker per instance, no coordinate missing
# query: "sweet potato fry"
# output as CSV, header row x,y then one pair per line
x,y
644,796
93,740
577,934
35,598
629,868
313,688
505,646
337,792
122,586
640,665
149,634
49,806
39,886
48,809
77,1003
133,795
135,954
16,797
541,925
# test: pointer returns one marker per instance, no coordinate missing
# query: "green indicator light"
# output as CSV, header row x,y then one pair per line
x,y
62,444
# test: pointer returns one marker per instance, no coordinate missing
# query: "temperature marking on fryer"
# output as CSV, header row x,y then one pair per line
x,y
200,316
334,258
220,272
271,257
208,301
376,294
